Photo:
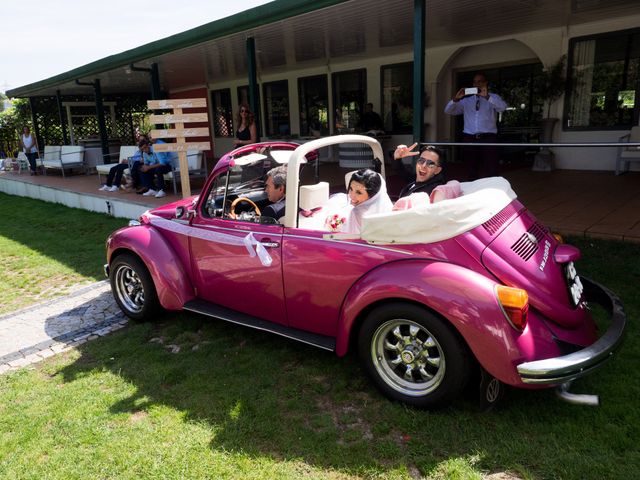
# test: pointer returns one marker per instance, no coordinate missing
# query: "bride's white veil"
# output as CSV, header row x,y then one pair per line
x,y
379,203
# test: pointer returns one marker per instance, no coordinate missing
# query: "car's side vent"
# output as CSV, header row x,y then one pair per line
x,y
494,223
529,242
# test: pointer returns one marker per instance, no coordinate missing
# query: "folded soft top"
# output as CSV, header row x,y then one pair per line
x,y
427,223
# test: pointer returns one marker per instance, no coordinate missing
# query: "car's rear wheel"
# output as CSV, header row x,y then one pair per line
x,y
412,355
133,287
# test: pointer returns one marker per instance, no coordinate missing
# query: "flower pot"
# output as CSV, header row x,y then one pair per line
x,y
546,129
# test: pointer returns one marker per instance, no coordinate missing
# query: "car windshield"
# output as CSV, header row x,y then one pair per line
x,y
244,180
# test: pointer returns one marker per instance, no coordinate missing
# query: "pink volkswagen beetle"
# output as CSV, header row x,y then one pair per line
x,y
429,296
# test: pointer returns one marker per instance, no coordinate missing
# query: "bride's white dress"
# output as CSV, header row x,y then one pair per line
x,y
340,205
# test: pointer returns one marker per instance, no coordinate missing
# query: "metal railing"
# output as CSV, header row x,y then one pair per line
x,y
529,144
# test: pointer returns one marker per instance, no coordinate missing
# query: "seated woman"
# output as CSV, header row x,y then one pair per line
x,y
366,195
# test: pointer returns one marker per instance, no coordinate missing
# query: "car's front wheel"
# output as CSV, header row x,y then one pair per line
x,y
133,287
412,355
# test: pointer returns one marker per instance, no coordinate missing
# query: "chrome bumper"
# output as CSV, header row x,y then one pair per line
x,y
578,364
106,270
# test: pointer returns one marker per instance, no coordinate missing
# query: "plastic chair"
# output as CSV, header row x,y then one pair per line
x,y
355,155
628,154
196,165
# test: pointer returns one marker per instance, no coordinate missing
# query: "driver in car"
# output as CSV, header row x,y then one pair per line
x,y
275,187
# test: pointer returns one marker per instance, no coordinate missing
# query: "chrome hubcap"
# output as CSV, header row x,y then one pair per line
x,y
129,288
407,357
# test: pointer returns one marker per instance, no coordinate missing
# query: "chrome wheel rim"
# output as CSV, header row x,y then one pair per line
x,y
408,357
129,288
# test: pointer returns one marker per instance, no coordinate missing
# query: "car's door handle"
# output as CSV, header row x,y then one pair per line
x,y
270,244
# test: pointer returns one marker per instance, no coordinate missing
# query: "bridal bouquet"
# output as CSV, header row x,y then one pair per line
x,y
334,222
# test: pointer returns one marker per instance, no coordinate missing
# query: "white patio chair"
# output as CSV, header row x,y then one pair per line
x,y
126,152
51,154
71,156
628,154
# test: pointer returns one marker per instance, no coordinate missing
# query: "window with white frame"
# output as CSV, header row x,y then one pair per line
x,y
313,99
349,93
397,97
276,108
604,81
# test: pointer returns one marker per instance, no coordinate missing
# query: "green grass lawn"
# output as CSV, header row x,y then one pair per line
x,y
238,403
48,248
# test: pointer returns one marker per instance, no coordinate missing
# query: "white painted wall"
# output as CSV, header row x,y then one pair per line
x,y
94,203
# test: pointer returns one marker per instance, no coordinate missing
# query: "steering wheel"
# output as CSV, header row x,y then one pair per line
x,y
232,209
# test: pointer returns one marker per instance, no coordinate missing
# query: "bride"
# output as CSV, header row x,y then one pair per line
x,y
366,195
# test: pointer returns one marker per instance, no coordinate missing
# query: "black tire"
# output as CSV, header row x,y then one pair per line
x,y
413,356
133,288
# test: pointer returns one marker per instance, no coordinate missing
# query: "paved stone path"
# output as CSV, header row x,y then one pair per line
x,y
38,332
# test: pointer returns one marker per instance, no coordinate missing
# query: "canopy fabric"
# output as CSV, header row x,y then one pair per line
x,y
427,223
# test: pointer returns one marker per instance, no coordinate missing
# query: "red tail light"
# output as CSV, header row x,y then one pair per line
x,y
515,304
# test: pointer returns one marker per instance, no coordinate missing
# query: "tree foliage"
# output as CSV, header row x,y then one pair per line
x,y
550,85
12,120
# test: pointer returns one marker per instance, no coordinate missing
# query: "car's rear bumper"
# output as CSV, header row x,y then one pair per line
x,y
558,370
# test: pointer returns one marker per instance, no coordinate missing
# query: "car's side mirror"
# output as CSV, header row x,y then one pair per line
x,y
182,211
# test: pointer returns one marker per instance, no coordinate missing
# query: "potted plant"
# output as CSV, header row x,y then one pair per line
x,y
549,86
551,83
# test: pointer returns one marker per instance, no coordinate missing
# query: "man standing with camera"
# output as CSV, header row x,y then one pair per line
x,y
479,108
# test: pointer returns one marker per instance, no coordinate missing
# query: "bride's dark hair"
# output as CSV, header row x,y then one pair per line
x,y
367,177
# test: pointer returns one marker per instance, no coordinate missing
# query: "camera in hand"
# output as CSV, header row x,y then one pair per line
x,y
471,91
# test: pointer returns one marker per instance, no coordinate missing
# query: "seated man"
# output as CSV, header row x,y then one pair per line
x,y
114,178
428,169
154,167
275,187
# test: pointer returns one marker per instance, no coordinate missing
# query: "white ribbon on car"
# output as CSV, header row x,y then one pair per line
x,y
253,246
249,241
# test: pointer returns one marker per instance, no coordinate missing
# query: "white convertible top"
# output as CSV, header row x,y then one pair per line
x,y
426,223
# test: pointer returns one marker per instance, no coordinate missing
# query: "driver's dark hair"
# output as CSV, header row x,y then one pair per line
x,y
279,176
369,178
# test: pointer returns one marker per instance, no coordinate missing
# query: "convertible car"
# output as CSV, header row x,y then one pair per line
x,y
430,297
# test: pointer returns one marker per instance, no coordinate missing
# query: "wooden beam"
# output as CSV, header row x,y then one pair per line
x,y
182,158
185,132
178,118
181,147
177,103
